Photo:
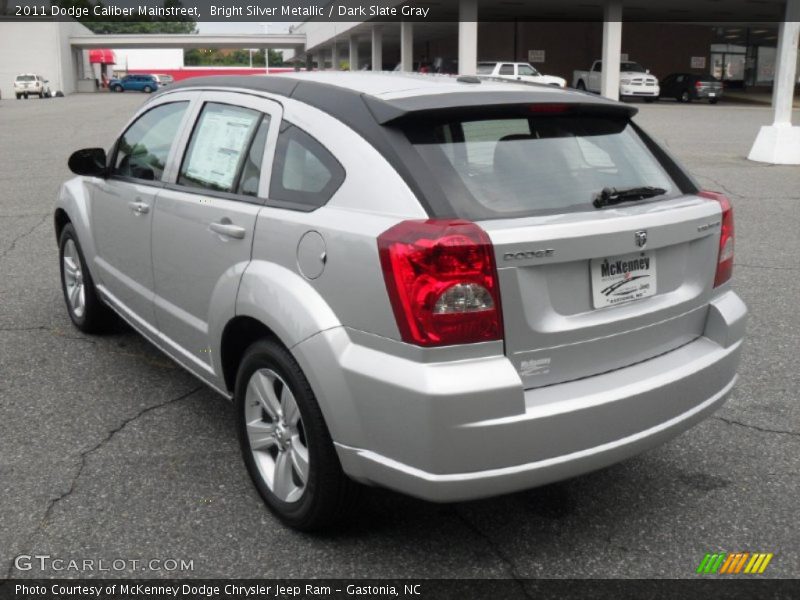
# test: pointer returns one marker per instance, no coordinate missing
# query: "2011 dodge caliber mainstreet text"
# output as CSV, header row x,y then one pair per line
x,y
447,287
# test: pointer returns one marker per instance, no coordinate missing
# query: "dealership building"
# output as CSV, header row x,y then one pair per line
x,y
749,44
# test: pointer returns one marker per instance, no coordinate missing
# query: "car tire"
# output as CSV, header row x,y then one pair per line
x,y
18,96
84,306
117,88
686,96
285,443
650,100
713,101
25,96
147,89
581,86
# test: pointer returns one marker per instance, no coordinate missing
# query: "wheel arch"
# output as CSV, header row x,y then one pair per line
x,y
272,301
60,220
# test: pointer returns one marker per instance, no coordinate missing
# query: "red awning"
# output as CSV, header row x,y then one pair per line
x,y
104,56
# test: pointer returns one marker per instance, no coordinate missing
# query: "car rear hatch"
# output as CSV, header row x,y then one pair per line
x,y
709,86
569,286
584,289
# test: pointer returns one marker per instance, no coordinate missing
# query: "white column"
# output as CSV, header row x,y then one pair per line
x,y
779,143
406,46
467,37
353,58
612,49
377,48
334,57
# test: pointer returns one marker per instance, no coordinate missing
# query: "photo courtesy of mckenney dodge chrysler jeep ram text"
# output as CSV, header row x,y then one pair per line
x,y
447,287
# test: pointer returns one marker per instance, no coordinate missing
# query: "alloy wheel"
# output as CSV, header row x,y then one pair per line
x,y
276,436
73,279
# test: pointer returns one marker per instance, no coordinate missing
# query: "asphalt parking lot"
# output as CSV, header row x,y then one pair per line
x,y
110,451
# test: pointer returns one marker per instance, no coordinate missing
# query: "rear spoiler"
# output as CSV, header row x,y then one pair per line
x,y
436,106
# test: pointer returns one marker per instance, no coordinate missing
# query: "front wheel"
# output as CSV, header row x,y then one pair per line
x,y
117,88
84,306
285,443
713,101
147,89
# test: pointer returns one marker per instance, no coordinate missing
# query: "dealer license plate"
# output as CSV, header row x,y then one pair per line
x,y
620,279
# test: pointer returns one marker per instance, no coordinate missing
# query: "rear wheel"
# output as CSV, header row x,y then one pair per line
x,y
713,101
581,86
84,306
285,443
685,96
147,89
18,96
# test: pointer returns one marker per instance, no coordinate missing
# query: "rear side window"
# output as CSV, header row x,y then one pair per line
x,y
143,149
506,70
485,69
219,144
523,166
304,172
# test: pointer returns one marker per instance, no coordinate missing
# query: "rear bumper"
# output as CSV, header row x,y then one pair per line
x,y
466,429
703,94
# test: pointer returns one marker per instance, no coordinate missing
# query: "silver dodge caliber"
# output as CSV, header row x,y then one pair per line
x,y
447,287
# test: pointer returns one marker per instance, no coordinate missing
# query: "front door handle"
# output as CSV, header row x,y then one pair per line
x,y
228,229
140,208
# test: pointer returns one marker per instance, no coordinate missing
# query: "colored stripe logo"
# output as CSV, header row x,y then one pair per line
x,y
723,563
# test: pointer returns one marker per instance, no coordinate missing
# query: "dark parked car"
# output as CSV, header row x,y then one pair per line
x,y
685,87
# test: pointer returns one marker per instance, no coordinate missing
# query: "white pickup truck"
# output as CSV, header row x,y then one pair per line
x,y
634,80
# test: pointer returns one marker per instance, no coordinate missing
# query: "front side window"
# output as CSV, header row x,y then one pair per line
x,y
527,71
219,143
304,171
522,166
143,149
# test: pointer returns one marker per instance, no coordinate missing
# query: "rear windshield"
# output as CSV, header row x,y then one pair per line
x,y
26,78
525,166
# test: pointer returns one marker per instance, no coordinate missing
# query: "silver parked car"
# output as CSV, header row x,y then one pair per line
x,y
449,288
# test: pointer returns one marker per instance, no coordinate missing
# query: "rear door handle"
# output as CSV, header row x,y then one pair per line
x,y
140,208
228,229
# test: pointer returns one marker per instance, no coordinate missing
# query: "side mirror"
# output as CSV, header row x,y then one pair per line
x,y
89,161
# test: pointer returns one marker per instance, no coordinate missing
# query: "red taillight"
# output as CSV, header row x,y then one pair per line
x,y
698,84
725,257
442,282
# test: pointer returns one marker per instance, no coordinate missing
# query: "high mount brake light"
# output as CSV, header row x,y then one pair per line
x,y
726,237
442,282
548,108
